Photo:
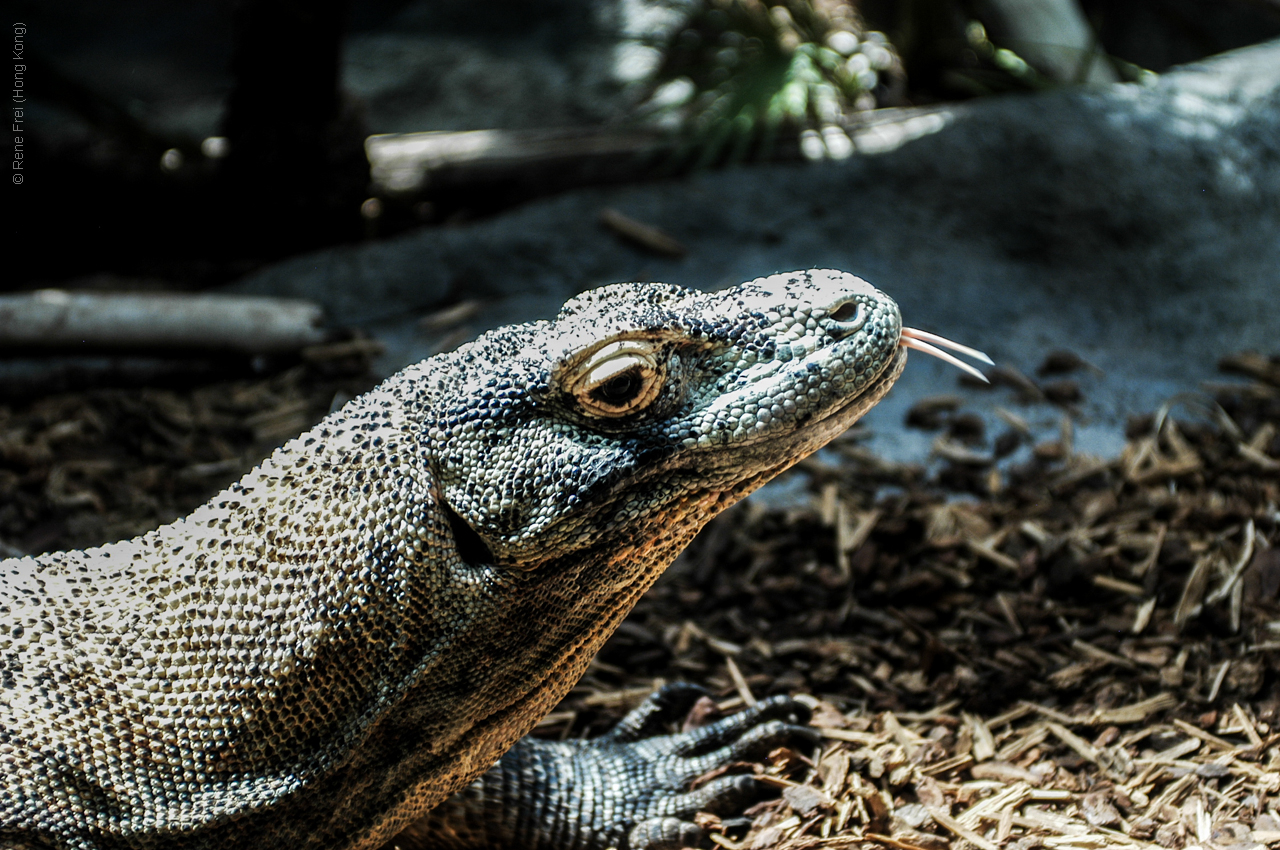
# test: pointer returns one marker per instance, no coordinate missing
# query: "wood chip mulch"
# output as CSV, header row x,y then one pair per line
x,y
1062,652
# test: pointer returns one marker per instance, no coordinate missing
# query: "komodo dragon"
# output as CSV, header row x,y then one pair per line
x,y
364,624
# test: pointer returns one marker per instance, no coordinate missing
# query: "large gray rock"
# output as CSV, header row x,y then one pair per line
x,y
1137,225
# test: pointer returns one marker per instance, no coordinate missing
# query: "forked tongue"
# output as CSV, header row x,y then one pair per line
x,y
929,344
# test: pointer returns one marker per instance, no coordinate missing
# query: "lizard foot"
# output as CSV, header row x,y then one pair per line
x,y
628,789
663,766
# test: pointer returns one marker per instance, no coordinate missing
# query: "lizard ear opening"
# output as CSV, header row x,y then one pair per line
x,y
469,545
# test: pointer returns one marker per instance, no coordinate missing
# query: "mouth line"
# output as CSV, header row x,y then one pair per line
x,y
878,385
876,388
871,389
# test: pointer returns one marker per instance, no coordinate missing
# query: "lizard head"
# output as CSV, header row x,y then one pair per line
x,y
647,405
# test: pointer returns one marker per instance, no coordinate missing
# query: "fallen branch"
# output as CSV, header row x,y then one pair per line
x,y
434,163
57,319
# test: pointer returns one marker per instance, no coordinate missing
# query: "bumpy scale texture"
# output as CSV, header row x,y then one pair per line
x,y
364,624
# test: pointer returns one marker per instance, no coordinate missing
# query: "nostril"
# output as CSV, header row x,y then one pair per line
x,y
846,319
846,312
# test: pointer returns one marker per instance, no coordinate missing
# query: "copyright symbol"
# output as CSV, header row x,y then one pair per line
x,y
17,178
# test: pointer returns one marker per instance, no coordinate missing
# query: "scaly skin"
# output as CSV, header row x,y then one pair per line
x,y
365,623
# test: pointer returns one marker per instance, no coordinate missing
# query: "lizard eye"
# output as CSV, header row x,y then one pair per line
x,y
620,378
621,390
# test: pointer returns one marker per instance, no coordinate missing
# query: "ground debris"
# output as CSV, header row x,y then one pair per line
x,y
1086,656
1074,653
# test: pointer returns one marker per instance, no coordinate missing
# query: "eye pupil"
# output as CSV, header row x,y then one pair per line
x,y
618,390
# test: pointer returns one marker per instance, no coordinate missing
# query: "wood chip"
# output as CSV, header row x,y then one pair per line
x,y
1000,559
1017,746
1207,737
1037,818
1142,617
739,681
642,235
992,807
892,842
1177,751
865,738
1218,679
1100,654
900,733
1238,568
952,825
1193,591
1013,715
1003,772
451,316
1134,713
984,743
1053,714
1109,583
1082,747
1142,567
947,765
1246,725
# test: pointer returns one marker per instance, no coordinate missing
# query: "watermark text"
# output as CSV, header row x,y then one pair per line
x,y
19,101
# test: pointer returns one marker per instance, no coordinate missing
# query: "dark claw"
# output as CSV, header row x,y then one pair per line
x,y
668,704
725,732
721,795
755,743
